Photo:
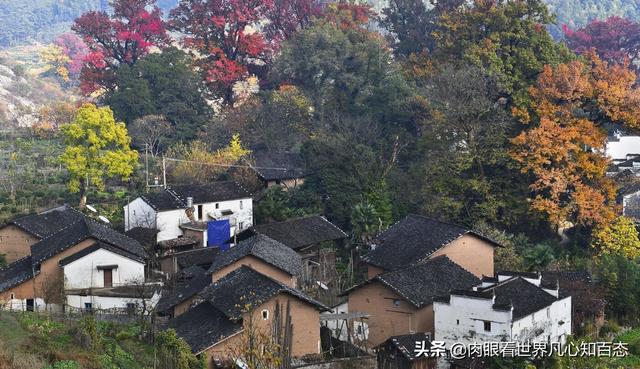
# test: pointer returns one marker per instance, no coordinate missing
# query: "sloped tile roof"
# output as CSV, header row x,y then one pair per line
x,y
264,248
175,197
203,326
406,344
202,257
525,297
297,233
421,283
190,282
81,230
98,246
15,273
412,240
272,166
48,222
245,287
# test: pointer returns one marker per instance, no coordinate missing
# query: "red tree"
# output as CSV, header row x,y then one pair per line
x,y
134,27
287,17
74,48
226,37
615,39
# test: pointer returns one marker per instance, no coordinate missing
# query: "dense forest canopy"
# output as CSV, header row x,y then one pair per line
x,y
42,20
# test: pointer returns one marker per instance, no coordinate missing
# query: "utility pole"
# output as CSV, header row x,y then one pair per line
x,y
164,172
146,165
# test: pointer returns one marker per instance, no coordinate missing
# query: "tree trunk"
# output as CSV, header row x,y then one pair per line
x,y
83,197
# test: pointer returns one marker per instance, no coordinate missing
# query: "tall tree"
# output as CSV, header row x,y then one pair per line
x,y
226,38
161,84
287,17
118,38
563,146
615,40
97,147
411,24
507,37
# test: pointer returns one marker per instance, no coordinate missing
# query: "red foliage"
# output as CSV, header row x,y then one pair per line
x,y
75,49
226,36
615,40
346,15
286,17
121,38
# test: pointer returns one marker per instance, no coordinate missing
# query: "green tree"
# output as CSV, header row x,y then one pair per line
x,y
344,69
97,147
538,257
619,237
161,84
507,37
620,278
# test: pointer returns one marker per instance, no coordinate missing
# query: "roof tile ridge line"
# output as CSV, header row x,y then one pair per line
x,y
468,229
173,193
242,187
381,280
63,229
24,258
338,228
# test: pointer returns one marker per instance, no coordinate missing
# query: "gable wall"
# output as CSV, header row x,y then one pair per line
x,y
386,319
305,320
49,271
259,266
15,243
139,214
84,273
470,252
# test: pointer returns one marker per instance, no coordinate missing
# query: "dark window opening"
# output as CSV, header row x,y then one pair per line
x,y
487,326
88,307
200,212
30,305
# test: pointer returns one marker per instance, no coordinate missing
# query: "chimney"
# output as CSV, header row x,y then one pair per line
x,y
189,202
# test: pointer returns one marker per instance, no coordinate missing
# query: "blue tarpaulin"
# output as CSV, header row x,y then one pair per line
x,y
218,231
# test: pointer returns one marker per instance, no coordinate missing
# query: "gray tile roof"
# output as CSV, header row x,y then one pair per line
x,y
421,283
81,230
525,297
245,288
48,222
406,344
297,233
278,165
264,248
175,197
412,240
189,282
203,325
15,273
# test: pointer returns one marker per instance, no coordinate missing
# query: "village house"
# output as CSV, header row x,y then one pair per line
x,y
211,213
262,254
515,307
173,262
89,261
628,196
400,302
17,236
398,352
259,252
306,236
179,294
416,239
278,168
243,304
621,147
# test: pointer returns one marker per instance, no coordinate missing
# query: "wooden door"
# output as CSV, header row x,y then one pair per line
x,y
108,277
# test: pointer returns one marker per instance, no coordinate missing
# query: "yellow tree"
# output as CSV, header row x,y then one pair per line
x,y
619,237
563,146
97,147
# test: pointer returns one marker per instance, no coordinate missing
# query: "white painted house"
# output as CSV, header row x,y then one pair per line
x,y
621,147
512,308
190,207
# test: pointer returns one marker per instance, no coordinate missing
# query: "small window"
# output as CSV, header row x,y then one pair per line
x,y
457,321
217,205
396,302
200,212
278,182
241,225
13,296
265,314
88,307
241,205
487,326
548,313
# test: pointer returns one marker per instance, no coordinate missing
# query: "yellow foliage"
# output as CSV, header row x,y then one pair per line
x,y
619,237
96,147
55,59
